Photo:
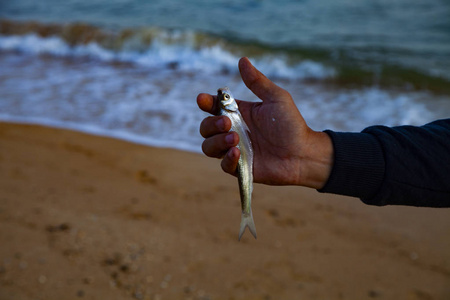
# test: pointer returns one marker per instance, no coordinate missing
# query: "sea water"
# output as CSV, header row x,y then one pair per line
x,y
133,69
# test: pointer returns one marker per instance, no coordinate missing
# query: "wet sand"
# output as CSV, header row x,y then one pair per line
x,y
88,217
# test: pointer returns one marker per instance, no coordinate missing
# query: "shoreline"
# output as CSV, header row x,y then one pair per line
x,y
92,217
98,131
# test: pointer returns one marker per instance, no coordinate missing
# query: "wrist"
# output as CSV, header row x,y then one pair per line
x,y
316,160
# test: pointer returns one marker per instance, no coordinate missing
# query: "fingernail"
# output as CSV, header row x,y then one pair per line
x,y
231,153
229,138
220,124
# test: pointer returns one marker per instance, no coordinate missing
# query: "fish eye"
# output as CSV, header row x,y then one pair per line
x,y
226,96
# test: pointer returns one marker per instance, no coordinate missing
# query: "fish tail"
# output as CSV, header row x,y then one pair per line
x,y
247,221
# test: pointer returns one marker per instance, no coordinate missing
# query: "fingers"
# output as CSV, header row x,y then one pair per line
x,y
219,144
259,84
207,103
214,125
230,161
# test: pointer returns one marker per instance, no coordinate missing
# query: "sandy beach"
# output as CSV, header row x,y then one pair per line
x,y
88,217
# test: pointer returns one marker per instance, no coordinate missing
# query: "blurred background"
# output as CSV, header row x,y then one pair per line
x,y
132,68
87,217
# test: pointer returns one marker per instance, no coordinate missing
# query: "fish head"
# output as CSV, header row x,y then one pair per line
x,y
226,99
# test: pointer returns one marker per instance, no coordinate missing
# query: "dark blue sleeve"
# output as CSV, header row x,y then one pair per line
x,y
404,165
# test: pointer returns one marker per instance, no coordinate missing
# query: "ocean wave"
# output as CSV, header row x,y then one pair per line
x,y
158,107
193,51
150,47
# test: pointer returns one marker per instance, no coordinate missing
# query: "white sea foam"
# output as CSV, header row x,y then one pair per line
x,y
32,43
162,51
148,103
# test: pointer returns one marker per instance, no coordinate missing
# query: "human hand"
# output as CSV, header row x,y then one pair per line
x,y
286,150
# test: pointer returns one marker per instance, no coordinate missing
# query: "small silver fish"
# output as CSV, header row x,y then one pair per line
x,y
229,108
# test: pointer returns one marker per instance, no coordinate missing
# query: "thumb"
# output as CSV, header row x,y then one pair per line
x,y
259,84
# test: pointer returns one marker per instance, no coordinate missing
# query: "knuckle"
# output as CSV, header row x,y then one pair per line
x,y
284,94
226,124
214,146
229,162
214,125
207,148
226,166
205,127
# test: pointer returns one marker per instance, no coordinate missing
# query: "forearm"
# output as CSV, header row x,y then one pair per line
x,y
358,165
401,165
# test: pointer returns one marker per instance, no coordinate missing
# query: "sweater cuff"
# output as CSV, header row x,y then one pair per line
x,y
358,168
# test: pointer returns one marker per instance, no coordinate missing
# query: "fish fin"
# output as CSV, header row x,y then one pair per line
x,y
246,127
243,123
247,221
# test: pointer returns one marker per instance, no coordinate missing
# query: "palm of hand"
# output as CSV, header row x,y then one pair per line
x,y
276,143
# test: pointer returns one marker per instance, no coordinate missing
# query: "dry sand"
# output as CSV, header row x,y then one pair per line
x,y
87,217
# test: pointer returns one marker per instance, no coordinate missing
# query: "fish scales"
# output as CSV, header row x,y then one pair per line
x,y
229,108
